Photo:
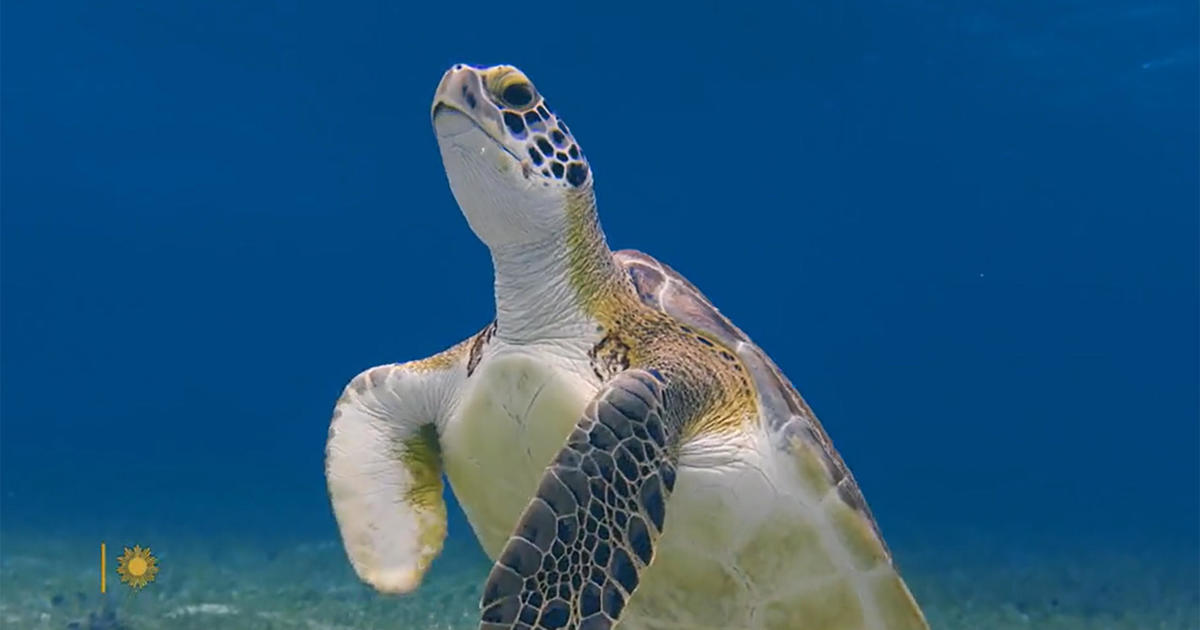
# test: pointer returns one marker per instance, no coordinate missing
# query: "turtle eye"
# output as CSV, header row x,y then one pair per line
x,y
518,95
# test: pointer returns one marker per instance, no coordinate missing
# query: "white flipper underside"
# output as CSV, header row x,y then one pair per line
x,y
383,469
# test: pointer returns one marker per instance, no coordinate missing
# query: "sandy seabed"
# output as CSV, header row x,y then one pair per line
x,y
204,584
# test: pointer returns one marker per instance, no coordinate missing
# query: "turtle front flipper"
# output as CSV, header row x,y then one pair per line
x,y
579,548
383,468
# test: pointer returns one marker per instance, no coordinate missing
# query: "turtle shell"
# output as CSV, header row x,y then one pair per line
x,y
785,415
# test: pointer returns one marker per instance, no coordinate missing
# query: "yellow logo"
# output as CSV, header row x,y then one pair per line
x,y
137,567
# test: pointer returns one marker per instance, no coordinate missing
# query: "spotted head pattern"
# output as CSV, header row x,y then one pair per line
x,y
535,135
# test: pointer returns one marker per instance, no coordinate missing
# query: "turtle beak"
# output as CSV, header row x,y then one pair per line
x,y
460,89
460,106
449,121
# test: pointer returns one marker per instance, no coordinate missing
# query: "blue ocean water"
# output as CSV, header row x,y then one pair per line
x,y
968,233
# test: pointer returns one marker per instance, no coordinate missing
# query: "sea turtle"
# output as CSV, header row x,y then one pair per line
x,y
622,451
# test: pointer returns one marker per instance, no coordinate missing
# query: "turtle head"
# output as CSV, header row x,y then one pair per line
x,y
512,164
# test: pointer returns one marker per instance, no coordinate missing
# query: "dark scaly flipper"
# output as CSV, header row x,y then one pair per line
x,y
579,548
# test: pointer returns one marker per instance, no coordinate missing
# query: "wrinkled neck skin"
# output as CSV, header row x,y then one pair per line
x,y
534,296
549,255
543,285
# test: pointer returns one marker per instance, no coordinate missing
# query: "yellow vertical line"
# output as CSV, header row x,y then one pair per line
x,y
103,568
